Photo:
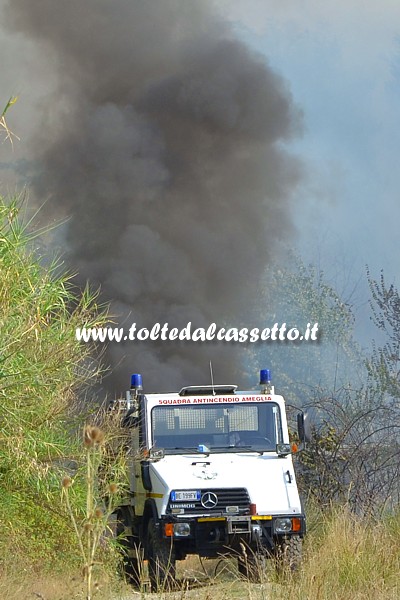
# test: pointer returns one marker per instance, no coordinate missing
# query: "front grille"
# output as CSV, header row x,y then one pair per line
x,y
226,497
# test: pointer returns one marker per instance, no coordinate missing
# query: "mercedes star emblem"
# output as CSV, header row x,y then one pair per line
x,y
209,500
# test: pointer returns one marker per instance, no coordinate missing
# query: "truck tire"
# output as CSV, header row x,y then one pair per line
x,y
288,555
161,556
130,548
252,567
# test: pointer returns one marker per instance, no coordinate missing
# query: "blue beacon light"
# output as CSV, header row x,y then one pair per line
x,y
136,381
265,377
133,394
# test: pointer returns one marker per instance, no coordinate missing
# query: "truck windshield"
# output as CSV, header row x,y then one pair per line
x,y
232,427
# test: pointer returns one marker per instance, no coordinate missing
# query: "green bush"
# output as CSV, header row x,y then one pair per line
x,y
42,367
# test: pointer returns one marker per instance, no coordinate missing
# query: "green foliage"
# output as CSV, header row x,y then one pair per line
x,y
321,466
296,295
384,364
42,367
303,293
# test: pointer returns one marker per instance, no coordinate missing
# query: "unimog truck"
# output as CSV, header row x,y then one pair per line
x,y
211,474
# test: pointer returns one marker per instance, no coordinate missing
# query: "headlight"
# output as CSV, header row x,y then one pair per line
x,y
283,525
181,529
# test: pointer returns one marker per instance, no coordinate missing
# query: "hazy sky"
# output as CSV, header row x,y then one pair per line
x,y
342,62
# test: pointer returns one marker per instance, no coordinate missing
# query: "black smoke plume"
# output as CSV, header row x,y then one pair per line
x,y
164,144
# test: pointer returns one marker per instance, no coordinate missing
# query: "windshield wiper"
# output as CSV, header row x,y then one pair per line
x,y
191,449
229,447
238,449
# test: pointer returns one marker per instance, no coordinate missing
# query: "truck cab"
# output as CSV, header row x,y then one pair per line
x,y
211,473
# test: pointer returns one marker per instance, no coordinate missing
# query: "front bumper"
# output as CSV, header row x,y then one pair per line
x,y
211,536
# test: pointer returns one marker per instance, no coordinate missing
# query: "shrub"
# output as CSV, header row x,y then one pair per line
x,y
42,368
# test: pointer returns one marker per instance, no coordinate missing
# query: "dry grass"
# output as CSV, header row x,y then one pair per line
x,y
200,585
4,128
349,558
27,585
346,558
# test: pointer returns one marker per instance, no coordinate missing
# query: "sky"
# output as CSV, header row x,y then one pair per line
x,y
340,64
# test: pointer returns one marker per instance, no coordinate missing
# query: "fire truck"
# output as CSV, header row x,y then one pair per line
x,y
210,474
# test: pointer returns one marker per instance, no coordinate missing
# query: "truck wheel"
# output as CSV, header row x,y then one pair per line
x,y
161,555
130,548
288,554
252,567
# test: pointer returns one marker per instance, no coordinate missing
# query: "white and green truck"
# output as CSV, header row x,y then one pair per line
x,y
211,474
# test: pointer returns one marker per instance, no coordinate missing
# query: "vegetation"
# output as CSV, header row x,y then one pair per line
x,y
297,294
42,367
91,526
346,558
384,365
4,128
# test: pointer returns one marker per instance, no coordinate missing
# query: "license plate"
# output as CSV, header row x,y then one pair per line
x,y
182,496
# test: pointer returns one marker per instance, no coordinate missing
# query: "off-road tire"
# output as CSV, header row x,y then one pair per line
x,y
131,549
288,555
252,566
161,556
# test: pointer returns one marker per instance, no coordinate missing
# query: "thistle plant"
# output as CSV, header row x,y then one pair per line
x,y
90,529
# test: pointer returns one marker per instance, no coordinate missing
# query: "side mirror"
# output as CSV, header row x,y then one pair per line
x,y
156,453
283,450
303,427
